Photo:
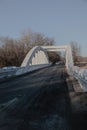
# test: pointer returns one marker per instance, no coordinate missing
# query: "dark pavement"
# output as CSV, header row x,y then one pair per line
x,y
41,101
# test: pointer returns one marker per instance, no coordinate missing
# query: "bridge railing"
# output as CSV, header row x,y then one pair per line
x,y
81,75
8,71
26,69
14,71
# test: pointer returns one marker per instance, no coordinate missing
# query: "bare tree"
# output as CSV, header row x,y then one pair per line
x,y
31,39
13,51
40,39
76,51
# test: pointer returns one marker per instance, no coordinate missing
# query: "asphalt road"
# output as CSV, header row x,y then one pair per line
x,y
29,84
42,101
35,100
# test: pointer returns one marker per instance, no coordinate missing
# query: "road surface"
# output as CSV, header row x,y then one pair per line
x,y
41,101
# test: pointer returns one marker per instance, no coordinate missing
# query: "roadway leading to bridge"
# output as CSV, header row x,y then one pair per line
x,y
42,100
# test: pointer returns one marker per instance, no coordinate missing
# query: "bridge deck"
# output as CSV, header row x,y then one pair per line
x,y
42,100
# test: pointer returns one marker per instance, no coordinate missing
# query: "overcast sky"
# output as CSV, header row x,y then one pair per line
x,y
64,20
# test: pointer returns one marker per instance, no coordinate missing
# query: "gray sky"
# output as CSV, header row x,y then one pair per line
x,y
64,20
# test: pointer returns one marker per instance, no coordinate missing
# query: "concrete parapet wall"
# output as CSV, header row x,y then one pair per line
x,y
23,70
81,76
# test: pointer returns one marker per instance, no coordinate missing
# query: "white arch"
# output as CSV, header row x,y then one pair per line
x,y
67,48
37,55
37,58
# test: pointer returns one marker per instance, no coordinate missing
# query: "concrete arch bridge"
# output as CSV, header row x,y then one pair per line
x,y
43,99
38,55
37,58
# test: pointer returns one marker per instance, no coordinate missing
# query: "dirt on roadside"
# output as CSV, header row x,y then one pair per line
x,y
78,100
